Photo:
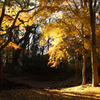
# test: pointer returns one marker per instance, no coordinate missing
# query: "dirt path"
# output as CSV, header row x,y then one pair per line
x,y
41,90
33,82
36,94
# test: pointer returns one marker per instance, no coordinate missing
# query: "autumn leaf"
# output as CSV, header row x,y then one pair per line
x,y
15,46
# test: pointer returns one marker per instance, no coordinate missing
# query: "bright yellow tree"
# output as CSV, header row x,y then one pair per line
x,y
73,25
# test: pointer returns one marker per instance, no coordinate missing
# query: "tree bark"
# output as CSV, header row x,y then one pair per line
x,y
84,60
95,81
84,67
76,66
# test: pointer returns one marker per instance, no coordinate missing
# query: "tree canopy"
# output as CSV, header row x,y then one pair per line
x,y
67,27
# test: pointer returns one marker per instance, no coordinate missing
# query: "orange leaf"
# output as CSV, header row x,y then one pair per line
x,y
15,46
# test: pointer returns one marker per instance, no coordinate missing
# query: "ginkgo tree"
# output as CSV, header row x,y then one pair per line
x,y
71,25
20,13
77,18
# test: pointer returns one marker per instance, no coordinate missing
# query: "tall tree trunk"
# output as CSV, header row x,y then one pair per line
x,y
95,81
84,60
76,66
84,67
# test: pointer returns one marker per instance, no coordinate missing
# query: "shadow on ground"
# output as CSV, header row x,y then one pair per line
x,y
25,88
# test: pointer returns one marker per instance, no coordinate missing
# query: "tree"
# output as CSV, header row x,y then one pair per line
x,y
23,43
75,14
64,29
15,13
95,81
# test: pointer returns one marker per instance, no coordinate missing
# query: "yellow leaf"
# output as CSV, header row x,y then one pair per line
x,y
15,46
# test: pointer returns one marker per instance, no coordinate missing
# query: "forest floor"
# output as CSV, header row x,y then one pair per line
x,y
40,88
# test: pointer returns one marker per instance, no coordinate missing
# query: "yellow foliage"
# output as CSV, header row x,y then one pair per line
x,y
72,25
2,32
0,11
15,46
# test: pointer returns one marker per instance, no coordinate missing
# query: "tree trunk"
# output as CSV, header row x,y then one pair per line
x,y
84,60
48,43
28,46
1,71
84,67
14,61
18,51
76,66
42,50
95,81
1,67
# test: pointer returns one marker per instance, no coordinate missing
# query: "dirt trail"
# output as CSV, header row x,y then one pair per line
x,y
25,80
44,90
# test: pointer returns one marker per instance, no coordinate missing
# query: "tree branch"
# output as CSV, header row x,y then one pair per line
x,y
10,37
3,11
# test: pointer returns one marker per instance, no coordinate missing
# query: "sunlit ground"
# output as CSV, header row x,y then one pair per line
x,y
84,92
40,90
